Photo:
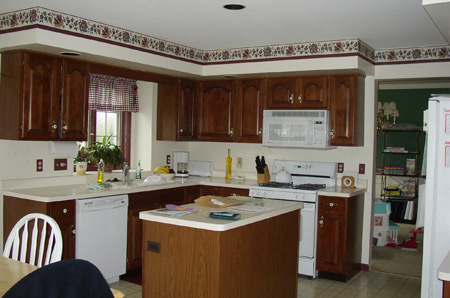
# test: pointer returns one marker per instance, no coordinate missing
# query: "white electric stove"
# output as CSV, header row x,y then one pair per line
x,y
307,178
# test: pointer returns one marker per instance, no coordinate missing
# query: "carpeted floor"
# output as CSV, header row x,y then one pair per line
x,y
398,261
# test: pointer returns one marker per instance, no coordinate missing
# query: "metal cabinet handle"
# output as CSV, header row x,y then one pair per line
x,y
332,133
74,231
54,126
181,130
231,132
64,210
300,98
321,222
291,98
333,204
260,131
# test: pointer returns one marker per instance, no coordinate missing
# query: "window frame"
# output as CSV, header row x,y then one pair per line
x,y
125,135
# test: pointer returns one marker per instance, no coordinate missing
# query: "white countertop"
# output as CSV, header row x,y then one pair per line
x,y
58,193
337,191
444,269
201,220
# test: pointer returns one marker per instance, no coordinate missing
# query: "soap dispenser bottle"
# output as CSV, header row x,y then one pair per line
x,y
138,170
101,169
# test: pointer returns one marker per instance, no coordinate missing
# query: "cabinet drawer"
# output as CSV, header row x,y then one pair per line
x,y
62,210
331,204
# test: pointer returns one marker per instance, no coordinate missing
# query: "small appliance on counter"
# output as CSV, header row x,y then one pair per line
x,y
180,163
200,168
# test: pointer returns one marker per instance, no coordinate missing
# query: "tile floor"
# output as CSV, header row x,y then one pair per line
x,y
364,284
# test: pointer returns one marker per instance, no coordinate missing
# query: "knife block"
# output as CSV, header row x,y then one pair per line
x,y
263,178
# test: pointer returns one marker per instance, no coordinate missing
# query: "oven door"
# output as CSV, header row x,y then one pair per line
x,y
307,230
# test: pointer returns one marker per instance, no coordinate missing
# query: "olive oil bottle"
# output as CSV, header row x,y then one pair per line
x,y
228,165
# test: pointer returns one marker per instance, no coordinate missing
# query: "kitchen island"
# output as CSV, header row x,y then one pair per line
x,y
197,256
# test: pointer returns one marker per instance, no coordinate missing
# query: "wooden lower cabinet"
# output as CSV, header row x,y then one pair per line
x,y
62,212
339,236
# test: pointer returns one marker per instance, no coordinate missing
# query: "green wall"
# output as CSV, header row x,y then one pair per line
x,y
410,103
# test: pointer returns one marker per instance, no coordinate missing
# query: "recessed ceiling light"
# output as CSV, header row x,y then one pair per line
x,y
70,53
234,6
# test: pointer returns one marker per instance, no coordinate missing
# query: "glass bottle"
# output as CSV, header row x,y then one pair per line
x,y
101,170
228,165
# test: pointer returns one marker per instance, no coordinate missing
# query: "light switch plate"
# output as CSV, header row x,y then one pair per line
x,y
362,169
60,164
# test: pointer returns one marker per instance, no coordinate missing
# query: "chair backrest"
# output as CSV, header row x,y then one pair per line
x,y
49,245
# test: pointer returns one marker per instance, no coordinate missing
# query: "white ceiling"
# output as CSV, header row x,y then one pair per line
x,y
205,25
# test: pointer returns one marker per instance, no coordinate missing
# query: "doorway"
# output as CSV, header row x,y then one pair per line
x,y
395,185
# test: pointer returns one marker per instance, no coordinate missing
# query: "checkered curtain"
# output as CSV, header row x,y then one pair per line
x,y
112,94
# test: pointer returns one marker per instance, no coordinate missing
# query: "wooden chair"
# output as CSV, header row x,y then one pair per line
x,y
46,240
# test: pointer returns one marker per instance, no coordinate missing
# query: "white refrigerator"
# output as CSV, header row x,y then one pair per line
x,y
437,198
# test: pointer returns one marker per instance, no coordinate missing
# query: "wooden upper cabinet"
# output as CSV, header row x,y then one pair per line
x,y
215,102
44,97
297,93
74,101
41,95
280,93
312,92
186,110
346,110
175,119
249,111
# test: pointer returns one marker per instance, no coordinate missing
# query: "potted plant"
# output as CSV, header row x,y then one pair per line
x,y
81,160
109,152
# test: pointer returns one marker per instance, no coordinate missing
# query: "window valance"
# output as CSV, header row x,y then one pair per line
x,y
112,94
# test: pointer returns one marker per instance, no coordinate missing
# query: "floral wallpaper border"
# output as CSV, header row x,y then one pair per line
x,y
38,17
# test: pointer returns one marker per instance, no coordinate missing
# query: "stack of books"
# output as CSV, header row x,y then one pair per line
x,y
396,149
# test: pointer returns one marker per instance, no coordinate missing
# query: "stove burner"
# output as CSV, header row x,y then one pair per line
x,y
276,184
309,186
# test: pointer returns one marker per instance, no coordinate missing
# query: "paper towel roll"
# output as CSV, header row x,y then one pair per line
x,y
63,149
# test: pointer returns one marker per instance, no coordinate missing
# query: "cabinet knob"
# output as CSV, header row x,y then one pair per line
x,y
333,204
291,98
321,222
332,133
231,132
300,98
64,128
181,130
260,131
74,231
54,126
64,211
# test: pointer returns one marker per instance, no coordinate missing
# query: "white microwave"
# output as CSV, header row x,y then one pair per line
x,y
296,128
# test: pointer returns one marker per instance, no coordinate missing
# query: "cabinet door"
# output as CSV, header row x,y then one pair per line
x,y
134,236
343,110
41,96
331,242
215,106
249,111
192,193
280,93
74,102
167,117
186,111
312,92
64,214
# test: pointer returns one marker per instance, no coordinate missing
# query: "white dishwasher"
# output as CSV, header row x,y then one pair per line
x,y
101,234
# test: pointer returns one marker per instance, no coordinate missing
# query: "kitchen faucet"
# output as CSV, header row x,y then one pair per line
x,y
126,174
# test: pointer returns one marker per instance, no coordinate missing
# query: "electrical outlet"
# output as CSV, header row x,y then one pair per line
x,y
39,165
362,168
168,159
239,162
340,167
60,164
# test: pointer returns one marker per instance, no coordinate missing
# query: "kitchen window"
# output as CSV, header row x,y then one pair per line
x,y
111,102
